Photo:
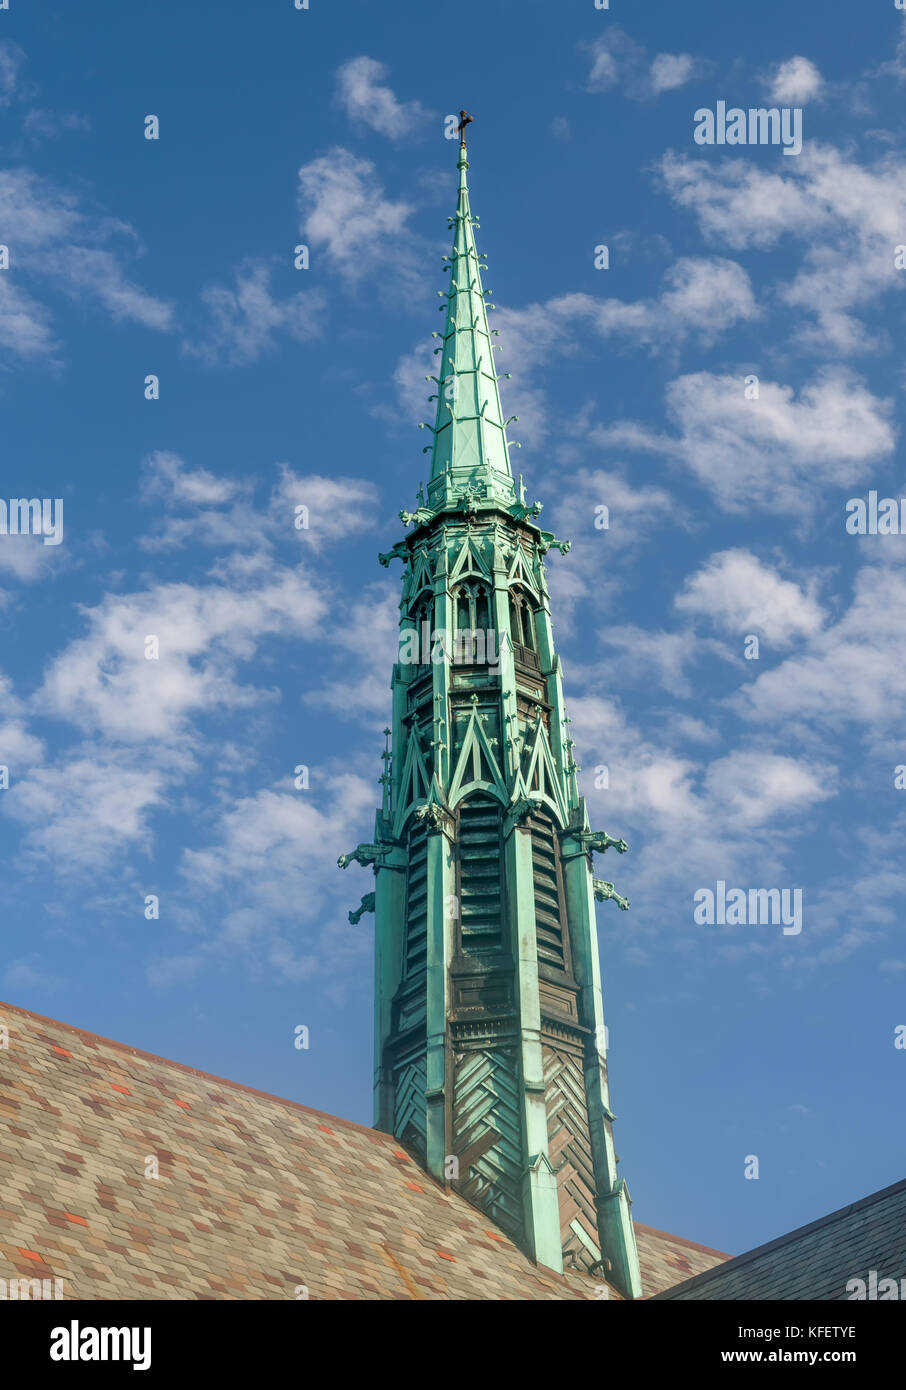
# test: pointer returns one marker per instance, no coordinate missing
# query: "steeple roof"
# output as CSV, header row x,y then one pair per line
x,y
470,451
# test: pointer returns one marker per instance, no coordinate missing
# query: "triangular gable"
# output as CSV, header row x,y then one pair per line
x,y
520,572
540,775
414,783
476,767
469,562
422,578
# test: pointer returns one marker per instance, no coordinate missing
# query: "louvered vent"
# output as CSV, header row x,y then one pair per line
x,y
548,907
480,873
417,901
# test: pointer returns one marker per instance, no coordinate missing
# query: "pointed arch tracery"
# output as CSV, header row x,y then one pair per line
x,y
523,629
472,620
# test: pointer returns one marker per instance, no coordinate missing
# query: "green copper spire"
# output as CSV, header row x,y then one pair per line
x,y
489,1037
470,452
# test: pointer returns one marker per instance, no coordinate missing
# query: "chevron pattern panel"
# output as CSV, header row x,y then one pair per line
x,y
409,1106
570,1154
486,1098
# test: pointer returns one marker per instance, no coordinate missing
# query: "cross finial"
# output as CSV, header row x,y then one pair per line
x,y
464,120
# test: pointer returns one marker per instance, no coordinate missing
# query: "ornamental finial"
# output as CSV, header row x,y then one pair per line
x,y
464,120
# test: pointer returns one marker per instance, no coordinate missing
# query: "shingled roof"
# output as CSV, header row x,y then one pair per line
x,y
815,1261
255,1197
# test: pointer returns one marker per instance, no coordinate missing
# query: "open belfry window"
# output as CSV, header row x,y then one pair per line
x,y
472,616
550,920
423,612
522,628
480,856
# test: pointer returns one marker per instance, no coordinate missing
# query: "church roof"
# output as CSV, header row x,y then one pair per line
x,y
256,1197
815,1261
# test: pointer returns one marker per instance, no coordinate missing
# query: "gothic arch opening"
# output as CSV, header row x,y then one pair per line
x,y
473,628
522,628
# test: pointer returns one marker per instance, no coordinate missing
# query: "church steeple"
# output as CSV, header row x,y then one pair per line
x,y
470,444
490,1060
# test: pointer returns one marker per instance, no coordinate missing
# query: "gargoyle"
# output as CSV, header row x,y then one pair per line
x,y
399,552
366,905
433,814
519,510
519,811
362,854
604,890
548,541
599,840
421,517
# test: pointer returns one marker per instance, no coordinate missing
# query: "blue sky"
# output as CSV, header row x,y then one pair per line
x,y
278,386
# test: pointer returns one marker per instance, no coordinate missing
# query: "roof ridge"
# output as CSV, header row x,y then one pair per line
x,y
195,1071
681,1240
749,1255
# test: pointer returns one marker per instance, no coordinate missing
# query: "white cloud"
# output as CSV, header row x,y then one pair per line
x,y
700,299
753,788
28,558
11,60
59,246
849,674
345,213
23,974
95,273
83,811
25,325
772,453
19,749
796,82
245,319
617,60
369,101
644,654
670,70
597,556
739,594
691,822
166,476
337,507
848,216
703,297
103,682
285,902
357,683
202,508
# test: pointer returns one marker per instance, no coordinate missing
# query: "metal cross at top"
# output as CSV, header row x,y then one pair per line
x,y
464,120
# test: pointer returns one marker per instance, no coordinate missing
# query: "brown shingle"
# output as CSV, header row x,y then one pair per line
x,y
235,1211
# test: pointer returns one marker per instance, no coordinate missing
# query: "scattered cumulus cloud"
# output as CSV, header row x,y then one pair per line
x,y
617,61
59,246
245,320
367,100
739,595
847,215
772,452
346,217
796,82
